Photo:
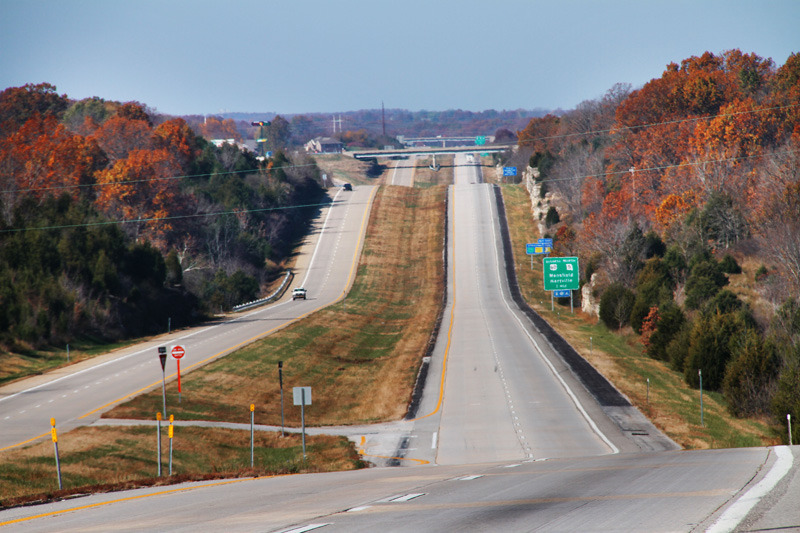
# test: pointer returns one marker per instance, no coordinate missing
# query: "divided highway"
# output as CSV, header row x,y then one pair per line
x,y
512,440
77,395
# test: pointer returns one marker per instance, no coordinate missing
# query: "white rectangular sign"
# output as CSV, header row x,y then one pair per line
x,y
298,395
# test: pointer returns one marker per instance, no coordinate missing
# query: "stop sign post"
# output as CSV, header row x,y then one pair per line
x,y
177,352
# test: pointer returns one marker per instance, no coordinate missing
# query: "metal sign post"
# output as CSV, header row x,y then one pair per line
x,y
162,356
158,441
280,382
302,397
252,432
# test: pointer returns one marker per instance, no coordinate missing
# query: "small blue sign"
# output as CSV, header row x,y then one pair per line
x,y
509,171
545,242
562,293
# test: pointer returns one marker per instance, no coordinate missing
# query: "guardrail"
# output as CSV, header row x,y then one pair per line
x,y
274,296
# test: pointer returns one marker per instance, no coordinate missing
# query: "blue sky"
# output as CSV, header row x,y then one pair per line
x,y
293,56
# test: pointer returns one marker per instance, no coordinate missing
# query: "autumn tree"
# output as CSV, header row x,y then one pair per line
x,y
20,104
119,135
142,191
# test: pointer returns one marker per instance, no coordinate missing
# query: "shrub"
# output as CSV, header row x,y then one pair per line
x,y
670,322
787,401
552,217
677,349
729,265
615,306
704,281
751,375
710,348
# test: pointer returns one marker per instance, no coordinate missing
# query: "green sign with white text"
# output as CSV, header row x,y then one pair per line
x,y
561,273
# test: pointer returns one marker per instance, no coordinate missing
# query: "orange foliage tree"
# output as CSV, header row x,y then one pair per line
x,y
119,135
43,158
141,189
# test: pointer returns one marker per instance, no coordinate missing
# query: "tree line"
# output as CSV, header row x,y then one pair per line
x,y
115,220
665,192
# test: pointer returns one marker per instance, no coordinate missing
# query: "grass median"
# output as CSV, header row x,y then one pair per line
x,y
360,356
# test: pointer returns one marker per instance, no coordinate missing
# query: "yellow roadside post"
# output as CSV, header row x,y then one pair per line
x,y
171,420
54,435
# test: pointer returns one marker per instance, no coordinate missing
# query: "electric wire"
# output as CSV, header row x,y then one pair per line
x,y
252,171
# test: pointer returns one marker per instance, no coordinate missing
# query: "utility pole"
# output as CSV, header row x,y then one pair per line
x,y
383,118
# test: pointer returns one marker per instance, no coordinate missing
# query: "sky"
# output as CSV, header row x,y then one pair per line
x,y
183,57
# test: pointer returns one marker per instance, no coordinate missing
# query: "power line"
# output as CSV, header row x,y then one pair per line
x,y
160,219
665,167
651,125
163,178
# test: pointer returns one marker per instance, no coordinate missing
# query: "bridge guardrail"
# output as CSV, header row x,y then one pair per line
x,y
274,296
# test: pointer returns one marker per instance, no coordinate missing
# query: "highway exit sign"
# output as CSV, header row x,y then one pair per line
x,y
561,273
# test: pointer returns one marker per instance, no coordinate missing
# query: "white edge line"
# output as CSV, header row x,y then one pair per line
x,y
319,239
737,512
309,527
614,449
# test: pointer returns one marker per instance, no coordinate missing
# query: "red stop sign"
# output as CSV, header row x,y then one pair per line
x,y
178,351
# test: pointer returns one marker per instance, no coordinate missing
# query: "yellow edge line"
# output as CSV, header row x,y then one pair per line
x,y
248,341
452,319
25,441
420,461
138,497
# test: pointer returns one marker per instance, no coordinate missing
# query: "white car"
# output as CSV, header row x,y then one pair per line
x,y
298,292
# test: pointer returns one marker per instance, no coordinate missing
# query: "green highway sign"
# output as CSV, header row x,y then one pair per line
x,y
561,273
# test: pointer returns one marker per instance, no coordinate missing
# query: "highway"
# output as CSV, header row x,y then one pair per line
x,y
507,438
79,394
403,172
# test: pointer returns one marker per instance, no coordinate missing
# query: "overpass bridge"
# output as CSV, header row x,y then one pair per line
x,y
405,152
464,140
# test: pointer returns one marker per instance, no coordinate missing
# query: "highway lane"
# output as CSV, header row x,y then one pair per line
x,y
403,172
502,399
648,492
78,394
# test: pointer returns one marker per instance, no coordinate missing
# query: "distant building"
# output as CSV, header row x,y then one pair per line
x,y
324,145
219,142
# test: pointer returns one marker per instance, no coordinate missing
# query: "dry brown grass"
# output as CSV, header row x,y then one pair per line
x,y
360,356
102,459
347,168
427,177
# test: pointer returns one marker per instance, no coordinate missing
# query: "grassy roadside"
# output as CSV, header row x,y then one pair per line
x,y
360,357
14,366
670,404
102,459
